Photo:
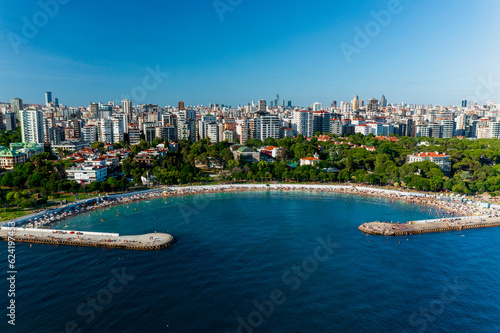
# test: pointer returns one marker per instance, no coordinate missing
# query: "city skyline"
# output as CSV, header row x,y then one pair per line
x,y
287,103
420,53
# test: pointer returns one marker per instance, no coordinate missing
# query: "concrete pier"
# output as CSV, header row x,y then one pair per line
x,y
146,242
425,226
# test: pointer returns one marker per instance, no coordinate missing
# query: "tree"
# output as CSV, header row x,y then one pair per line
x,y
227,155
99,146
232,164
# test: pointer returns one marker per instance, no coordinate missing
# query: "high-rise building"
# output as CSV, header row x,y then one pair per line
x,y
48,123
243,130
494,130
16,105
48,98
134,134
447,128
118,129
89,133
181,105
262,105
302,123
317,106
32,126
56,102
336,127
150,134
372,105
212,132
106,111
464,103
355,103
254,128
423,131
189,114
435,130
93,108
127,108
333,104
269,127
9,119
105,130
321,122
383,102
56,135
345,107
187,130
167,132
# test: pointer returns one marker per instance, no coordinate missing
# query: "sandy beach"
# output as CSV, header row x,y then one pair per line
x,y
452,206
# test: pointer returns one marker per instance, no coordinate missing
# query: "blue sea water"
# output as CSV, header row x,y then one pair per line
x,y
238,252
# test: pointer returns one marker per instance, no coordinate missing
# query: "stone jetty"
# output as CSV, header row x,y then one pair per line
x,y
146,242
426,226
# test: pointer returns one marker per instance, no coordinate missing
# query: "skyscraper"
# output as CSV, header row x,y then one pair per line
x,y
355,103
93,108
317,106
303,123
16,105
48,98
383,102
464,103
372,105
10,121
127,108
269,127
262,105
32,126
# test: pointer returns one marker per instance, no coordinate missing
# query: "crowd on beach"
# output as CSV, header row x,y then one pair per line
x,y
446,208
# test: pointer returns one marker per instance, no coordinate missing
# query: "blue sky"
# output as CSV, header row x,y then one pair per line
x,y
434,52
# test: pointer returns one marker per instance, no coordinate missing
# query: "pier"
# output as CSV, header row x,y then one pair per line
x,y
426,226
146,242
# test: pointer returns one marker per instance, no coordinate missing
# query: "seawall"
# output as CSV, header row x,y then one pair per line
x,y
420,227
146,242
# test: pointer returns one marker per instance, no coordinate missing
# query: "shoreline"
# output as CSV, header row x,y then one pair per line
x,y
449,206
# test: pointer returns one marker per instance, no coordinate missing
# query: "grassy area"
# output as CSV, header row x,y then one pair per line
x,y
13,212
69,197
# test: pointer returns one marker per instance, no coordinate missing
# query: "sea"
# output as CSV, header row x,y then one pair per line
x,y
259,262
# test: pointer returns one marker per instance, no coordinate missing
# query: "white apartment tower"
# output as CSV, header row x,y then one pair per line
x,y
32,126
106,130
118,129
127,108
269,127
303,123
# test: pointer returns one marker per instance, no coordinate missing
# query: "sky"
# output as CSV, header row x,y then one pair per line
x,y
233,52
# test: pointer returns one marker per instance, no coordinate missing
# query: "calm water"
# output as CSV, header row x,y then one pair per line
x,y
239,250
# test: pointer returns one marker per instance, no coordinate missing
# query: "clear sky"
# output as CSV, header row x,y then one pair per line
x,y
425,52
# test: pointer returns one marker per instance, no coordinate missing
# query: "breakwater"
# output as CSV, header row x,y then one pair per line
x,y
420,227
146,242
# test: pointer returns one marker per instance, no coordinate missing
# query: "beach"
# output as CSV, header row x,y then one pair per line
x,y
446,206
